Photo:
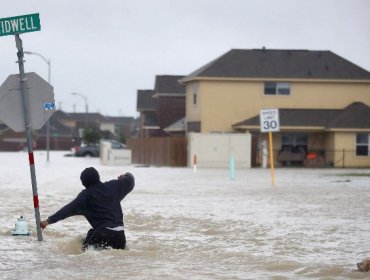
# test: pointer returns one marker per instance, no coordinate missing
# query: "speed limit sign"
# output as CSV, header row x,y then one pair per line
x,y
269,120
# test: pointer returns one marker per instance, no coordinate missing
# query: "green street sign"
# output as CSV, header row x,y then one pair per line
x,y
19,24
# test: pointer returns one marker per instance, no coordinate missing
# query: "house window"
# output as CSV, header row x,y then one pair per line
x,y
195,92
272,88
362,144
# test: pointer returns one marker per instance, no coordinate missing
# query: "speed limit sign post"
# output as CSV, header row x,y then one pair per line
x,y
269,122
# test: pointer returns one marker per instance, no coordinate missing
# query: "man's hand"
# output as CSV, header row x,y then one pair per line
x,y
43,224
124,175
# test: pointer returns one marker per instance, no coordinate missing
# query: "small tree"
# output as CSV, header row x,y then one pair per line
x,y
122,137
91,135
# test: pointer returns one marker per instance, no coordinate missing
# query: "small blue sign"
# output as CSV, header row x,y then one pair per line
x,y
49,106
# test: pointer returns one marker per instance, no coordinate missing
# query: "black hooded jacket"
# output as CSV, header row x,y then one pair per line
x,y
100,203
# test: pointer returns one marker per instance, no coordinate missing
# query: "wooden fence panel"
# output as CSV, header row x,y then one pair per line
x,y
159,151
179,151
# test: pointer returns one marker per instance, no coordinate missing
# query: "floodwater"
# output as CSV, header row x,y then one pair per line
x,y
181,224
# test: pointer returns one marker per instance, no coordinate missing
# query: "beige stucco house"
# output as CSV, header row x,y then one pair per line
x,y
323,100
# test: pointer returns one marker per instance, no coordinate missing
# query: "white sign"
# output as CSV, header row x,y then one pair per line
x,y
269,120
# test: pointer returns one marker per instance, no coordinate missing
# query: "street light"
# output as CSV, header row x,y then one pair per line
x,y
86,106
48,62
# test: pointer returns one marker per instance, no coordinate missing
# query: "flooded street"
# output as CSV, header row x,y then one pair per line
x,y
181,224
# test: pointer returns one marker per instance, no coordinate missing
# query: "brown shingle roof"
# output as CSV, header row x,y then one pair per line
x,y
285,64
145,100
120,120
169,84
91,117
354,116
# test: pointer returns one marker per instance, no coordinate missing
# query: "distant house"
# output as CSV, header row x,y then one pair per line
x,y
11,141
162,110
323,101
121,127
66,131
61,133
148,119
170,97
83,120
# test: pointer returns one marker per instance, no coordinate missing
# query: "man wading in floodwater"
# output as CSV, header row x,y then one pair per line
x,y
100,203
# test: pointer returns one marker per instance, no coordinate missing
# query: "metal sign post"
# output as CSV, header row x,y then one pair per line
x,y
271,159
26,100
28,126
269,122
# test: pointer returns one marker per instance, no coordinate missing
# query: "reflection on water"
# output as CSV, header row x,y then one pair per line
x,y
186,225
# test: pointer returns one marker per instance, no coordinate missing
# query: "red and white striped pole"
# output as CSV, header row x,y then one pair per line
x,y
195,163
28,126
31,160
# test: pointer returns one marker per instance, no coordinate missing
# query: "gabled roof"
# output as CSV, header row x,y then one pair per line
x,y
177,126
169,85
354,116
284,64
59,114
119,120
56,127
90,117
145,100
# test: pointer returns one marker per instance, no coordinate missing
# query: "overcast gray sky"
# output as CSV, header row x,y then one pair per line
x,y
107,50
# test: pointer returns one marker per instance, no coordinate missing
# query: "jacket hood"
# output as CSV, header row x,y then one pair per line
x,y
90,177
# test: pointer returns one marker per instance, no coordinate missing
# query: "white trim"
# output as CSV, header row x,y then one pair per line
x,y
169,95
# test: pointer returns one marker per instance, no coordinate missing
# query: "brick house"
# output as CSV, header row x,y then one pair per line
x,y
148,120
162,110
